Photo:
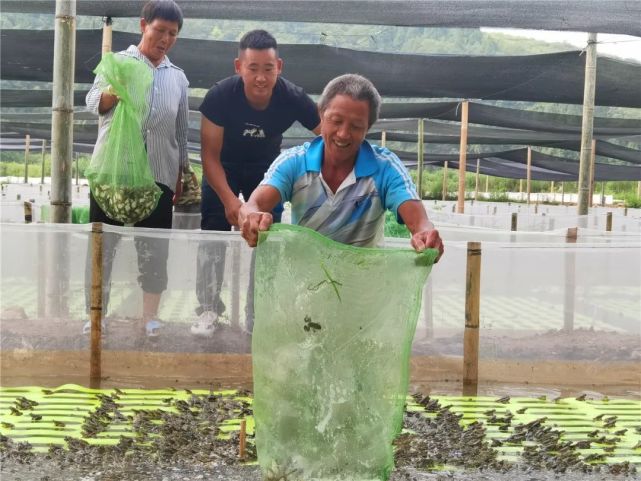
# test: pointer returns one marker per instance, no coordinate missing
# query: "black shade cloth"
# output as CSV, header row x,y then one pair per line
x,y
477,114
554,77
507,117
612,16
602,172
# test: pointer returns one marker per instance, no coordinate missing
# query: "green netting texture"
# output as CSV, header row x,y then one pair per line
x,y
331,345
119,174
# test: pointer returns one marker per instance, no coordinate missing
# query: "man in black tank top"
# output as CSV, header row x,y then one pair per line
x,y
243,119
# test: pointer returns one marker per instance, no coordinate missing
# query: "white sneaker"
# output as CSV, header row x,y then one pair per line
x,y
205,325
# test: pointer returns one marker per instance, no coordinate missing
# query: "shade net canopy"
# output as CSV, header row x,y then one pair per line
x,y
334,327
614,16
477,114
556,77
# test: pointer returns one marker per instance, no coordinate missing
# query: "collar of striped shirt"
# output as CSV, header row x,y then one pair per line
x,y
133,51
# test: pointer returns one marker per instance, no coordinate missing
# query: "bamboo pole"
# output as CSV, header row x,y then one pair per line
x,y
95,368
487,185
608,222
570,282
75,158
419,157
529,173
520,186
62,110
235,283
587,124
639,189
383,138
42,162
602,193
472,308
592,168
552,188
107,35
514,223
27,148
444,195
562,193
460,203
242,440
476,183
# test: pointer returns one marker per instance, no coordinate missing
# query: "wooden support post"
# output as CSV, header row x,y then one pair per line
x,y
460,203
487,185
520,186
383,138
608,222
27,148
95,367
592,168
536,207
570,282
587,124
42,162
562,193
444,194
514,225
476,180
625,211
472,309
552,189
639,189
242,440
419,158
529,173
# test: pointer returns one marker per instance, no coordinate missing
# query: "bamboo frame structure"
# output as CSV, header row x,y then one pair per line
x,y
476,179
27,148
444,190
587,124
592,168
570,281
460,202
420,150
62,110
95,366
42,162
472,309
529,173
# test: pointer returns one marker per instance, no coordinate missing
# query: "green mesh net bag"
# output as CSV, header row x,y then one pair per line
x,y
331,345
119,175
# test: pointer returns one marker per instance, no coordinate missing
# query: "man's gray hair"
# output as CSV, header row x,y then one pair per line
x,y
355,86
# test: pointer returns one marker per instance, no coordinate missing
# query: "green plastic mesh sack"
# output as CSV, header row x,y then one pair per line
x,y
331,345
119,175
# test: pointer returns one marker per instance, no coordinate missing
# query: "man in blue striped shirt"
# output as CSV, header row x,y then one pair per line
x,y
339,184
165,134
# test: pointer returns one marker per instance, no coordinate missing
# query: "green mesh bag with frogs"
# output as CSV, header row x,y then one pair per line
x,y
119,174
331,345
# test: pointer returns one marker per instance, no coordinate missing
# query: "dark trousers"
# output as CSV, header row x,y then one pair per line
x,y
152,252
211,254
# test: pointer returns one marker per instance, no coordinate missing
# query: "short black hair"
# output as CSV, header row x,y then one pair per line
x,y
258,40
163,9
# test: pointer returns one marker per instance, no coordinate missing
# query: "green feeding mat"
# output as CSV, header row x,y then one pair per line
x,y
61,412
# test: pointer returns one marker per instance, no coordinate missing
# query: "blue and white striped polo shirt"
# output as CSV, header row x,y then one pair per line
x,y
355,213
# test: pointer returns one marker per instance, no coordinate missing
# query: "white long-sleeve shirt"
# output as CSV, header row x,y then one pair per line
x,y
166,124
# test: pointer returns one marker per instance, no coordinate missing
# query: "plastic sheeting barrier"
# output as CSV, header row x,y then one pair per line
x,y
334,327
